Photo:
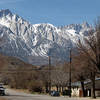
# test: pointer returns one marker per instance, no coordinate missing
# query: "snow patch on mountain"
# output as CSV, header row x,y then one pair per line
x,y
27,41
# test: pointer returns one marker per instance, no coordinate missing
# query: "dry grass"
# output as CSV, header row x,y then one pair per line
x,y
22,90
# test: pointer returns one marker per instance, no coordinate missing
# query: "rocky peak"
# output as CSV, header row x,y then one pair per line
x,y
5,12
85,24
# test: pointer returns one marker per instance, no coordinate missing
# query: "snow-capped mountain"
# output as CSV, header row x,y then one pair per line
x,y
33,43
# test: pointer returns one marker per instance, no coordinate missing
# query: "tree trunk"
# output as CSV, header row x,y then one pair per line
x,y
83,89
62,88
49,87
57,87
93,86
46,87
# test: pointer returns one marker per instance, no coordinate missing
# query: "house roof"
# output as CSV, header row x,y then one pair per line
x,y
88,85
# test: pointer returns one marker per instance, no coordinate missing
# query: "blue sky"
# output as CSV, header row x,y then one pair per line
x,y
57,12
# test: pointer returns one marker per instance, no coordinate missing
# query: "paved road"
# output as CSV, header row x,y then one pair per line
x,y
14,95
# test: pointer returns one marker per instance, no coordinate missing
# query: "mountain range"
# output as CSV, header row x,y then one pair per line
x,y
34,43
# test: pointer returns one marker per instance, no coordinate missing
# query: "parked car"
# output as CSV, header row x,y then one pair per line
x,y
55,93
66,93
2,90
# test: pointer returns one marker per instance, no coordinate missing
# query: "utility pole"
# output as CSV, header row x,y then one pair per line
x,y
70,72
49,74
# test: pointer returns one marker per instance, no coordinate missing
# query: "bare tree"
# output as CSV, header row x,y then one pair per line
x,y
80,72
90,47
59,77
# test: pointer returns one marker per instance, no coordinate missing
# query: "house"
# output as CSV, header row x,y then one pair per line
x,y
77,90
88,87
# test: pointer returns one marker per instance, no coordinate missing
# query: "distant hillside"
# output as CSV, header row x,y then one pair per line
x,y
9,63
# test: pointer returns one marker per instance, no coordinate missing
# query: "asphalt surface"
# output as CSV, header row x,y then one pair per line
x,y
15,95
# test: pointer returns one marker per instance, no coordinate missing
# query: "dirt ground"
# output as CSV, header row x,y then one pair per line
x,y
2,98
20,95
